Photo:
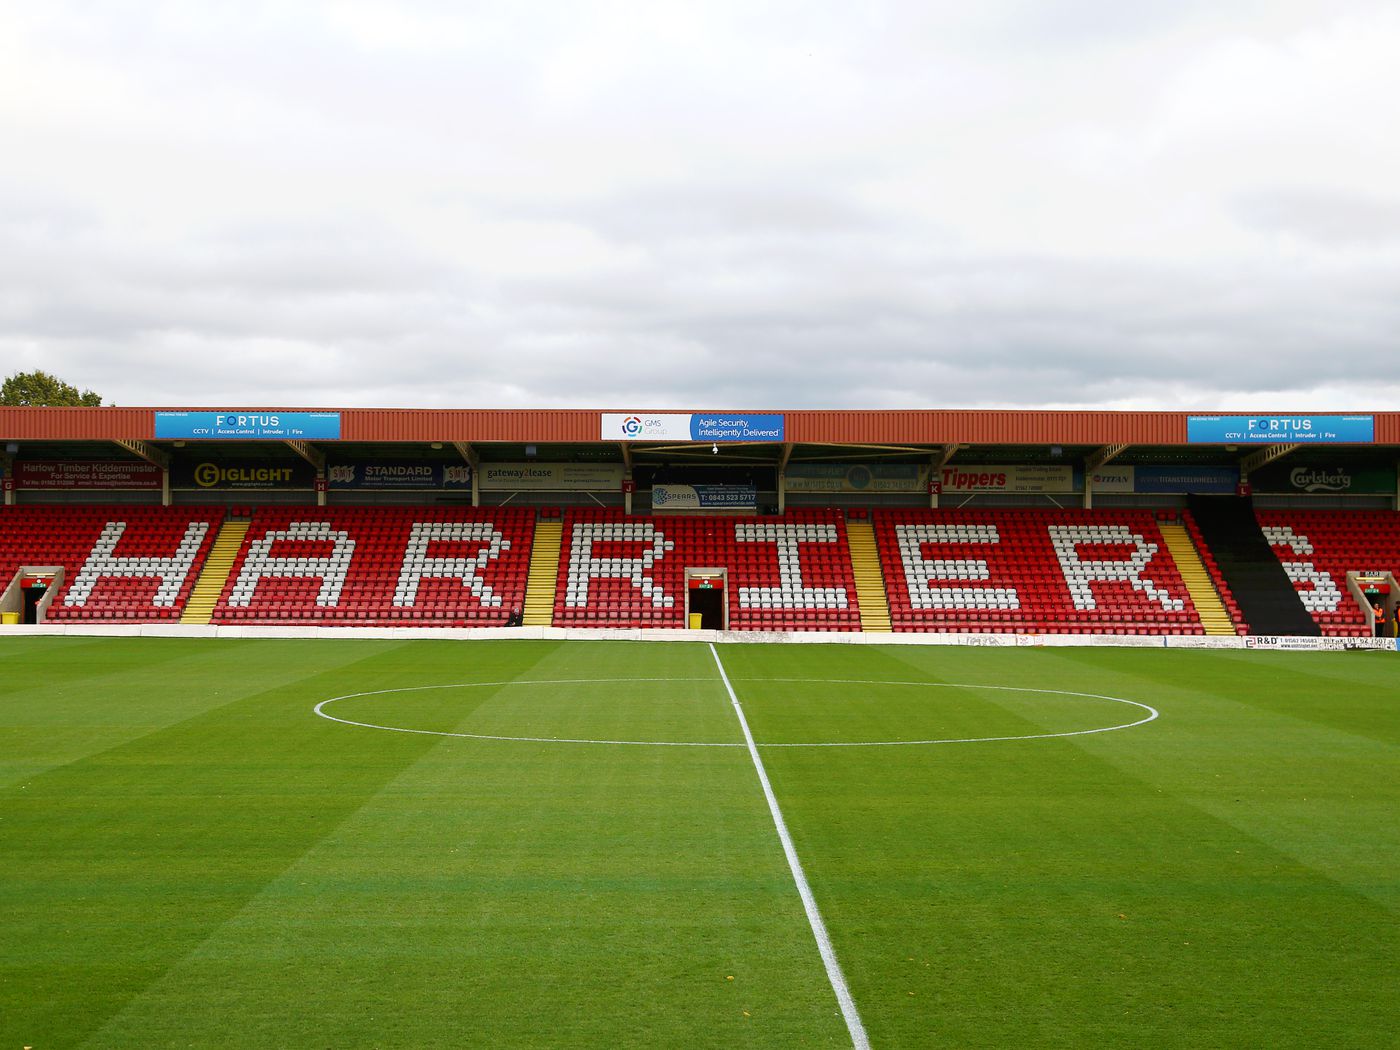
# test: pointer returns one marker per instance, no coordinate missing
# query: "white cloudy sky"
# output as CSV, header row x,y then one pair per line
x,y
1192,204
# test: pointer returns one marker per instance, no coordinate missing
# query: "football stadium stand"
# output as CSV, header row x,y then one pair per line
x,y
1039,522
329,566
788,573
120,564
1032,571
1319,548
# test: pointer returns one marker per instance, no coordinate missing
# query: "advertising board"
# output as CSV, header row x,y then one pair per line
x,y
550,477
1229,430
1165,479
59,474
1010,478
241,474
400,474
1325,480
248,425
704,497
862,477
693,426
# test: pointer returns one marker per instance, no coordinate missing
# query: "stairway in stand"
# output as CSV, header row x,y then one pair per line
x,y
1209,607
214,575
544,574
870,582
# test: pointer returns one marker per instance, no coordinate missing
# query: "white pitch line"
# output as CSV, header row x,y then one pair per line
x,y
859,1040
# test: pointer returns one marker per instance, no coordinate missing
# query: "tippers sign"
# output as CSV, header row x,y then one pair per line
x,y
697,426
1010,478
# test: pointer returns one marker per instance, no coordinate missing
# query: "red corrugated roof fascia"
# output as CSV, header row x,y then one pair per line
x,y
389,424
575,426
76,424
987,427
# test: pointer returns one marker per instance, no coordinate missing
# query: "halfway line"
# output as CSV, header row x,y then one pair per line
x,y
859,1040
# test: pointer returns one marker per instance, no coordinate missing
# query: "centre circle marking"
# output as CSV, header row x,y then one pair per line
x,y
1152,713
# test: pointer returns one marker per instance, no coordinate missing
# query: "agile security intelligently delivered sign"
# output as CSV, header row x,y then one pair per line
x,y
1229,430
692,426
245,425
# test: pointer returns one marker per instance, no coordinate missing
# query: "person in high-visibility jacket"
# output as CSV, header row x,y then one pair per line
x,y
1382,628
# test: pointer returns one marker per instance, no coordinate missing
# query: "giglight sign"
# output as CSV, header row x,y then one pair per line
x,y
692,426
248,425
1217,430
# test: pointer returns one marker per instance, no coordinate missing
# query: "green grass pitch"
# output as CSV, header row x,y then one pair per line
x,y
189,856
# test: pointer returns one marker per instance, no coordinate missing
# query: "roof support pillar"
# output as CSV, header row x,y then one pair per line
x,y
7,468
474,461
155,456
317,459
1093,462
937,462
1263,457
782,476
1099,457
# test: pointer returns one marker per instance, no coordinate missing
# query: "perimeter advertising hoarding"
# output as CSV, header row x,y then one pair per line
x,y
242,474
57,474
694,426
400,474
982,477
1324,480
1159,479
248,425
864,477
704,497
551,477
1229,430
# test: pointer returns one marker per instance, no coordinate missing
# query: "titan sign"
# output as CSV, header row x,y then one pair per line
x,y
697,426
1226,430
247,425
1115,478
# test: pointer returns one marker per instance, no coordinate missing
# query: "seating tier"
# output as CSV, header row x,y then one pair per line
x,y
1031,571
787,573
121,564
1318,548
379,566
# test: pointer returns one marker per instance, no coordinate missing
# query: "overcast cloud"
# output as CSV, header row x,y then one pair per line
x,y
1084,203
